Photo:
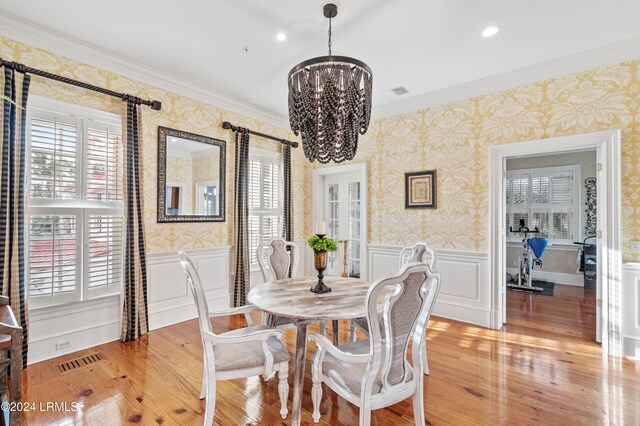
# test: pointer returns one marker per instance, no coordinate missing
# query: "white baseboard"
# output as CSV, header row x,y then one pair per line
x,y
631,348
576,280
464,290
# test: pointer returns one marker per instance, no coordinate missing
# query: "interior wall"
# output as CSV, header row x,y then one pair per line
x,y
557,260
177,112
91,323
453,139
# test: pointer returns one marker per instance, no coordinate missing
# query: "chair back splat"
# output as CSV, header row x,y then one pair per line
x,y
419,252
406,314
275,259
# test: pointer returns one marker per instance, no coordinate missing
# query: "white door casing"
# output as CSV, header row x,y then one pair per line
x,y
609,266
340,176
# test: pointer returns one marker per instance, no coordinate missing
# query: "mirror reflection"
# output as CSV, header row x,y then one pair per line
x,y
193,187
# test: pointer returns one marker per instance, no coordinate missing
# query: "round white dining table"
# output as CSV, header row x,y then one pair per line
x,y
291,298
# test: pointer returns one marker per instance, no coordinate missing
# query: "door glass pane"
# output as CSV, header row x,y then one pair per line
x,y
334,222
353,253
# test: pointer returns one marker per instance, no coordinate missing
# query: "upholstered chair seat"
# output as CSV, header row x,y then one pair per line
x,y
249,354
349,375
244,352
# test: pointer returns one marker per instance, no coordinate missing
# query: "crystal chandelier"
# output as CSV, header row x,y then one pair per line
x,y
330,103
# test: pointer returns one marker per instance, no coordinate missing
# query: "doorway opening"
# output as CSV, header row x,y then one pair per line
x,y
551,245
608,235
340,200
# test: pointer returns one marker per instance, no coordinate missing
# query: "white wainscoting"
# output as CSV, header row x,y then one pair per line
x,y
464,290
169,297
631,310
576,280
94,322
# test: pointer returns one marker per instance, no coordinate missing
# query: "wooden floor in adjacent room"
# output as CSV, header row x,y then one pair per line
x,y
543,368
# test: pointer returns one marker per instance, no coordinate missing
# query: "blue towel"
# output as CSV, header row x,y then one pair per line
x,y
538,245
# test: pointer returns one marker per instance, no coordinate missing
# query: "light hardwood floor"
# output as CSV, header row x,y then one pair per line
x,y
543,368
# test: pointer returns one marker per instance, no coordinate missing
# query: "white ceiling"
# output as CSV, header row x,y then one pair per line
x,y
424,45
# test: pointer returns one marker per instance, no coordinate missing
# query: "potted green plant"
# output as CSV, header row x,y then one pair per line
x,y
321,245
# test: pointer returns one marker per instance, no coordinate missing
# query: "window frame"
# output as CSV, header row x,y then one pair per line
x,y
80,206
272,157
575,171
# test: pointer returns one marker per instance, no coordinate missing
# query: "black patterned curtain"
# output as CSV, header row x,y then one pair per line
x,y
287,207
12,195
135,322
241,212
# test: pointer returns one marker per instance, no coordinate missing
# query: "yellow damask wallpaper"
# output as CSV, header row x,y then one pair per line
x,y
177,112
454,140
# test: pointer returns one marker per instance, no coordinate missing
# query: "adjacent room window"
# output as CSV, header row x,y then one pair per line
x,y
74,220
265,199
546,198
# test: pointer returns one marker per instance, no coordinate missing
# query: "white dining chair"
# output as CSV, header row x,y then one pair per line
x,y
377,372
419,252
240,353
274,257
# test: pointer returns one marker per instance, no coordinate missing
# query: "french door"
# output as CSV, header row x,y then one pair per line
x,y
342,212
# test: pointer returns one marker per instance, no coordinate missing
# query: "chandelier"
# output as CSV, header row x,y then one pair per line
x,y
330,103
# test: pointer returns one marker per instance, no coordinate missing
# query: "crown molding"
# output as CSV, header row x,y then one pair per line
x,y
583,61
43,38
40,37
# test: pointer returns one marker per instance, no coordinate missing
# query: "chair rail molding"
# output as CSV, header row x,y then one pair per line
x,y
464,289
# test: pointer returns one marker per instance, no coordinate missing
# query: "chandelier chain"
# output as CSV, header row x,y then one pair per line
x,y
329,36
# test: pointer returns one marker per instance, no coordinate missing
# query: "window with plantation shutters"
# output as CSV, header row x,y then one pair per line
x,y
265,199
74,222
546,198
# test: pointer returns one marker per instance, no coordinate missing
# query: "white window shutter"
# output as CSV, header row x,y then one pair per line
x,y
103,167
53,158
54,250
104,239
265,200
545,198
74,227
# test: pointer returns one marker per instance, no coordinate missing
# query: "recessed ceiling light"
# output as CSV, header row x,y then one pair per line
x,y
281,36
490,31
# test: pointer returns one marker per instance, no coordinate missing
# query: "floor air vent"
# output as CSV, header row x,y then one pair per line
x,y
85,361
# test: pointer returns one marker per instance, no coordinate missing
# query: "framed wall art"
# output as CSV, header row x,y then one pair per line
x,y
420,190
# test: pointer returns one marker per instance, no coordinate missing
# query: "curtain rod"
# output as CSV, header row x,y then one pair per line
x,y
228,126
155,105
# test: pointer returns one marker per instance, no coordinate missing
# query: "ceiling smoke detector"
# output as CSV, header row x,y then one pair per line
x,y
400,91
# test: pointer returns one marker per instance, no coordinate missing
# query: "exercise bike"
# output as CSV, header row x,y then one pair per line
x,y
531,256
